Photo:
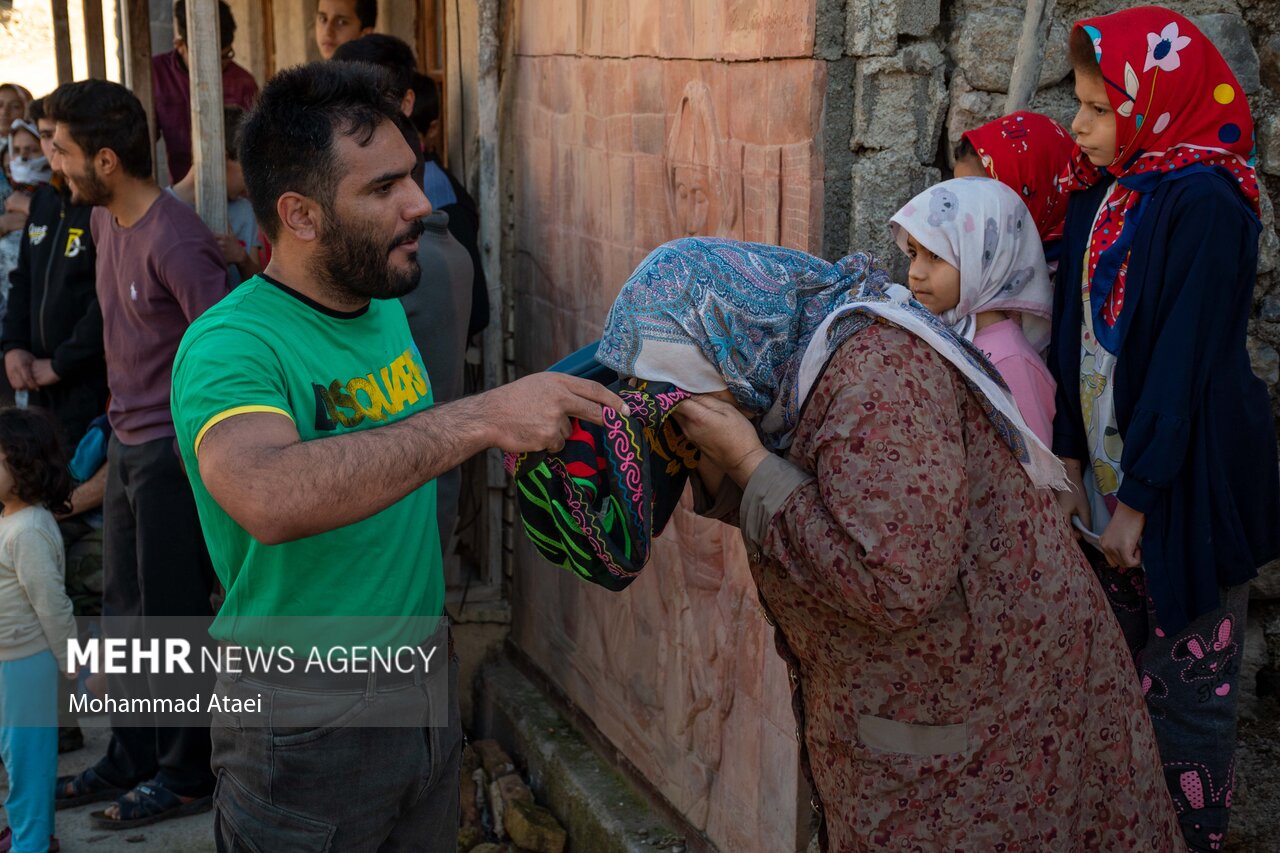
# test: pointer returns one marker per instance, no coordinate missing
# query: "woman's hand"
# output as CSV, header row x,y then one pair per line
x,y
724,435
1075,503
18,202
1122,540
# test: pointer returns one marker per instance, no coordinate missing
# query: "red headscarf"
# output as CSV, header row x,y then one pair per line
x,y
1027,152
1178,107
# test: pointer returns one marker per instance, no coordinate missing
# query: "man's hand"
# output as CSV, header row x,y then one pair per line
x,y
533,413
280,488
1075,502
42,371
1122,540
724,435
17,367
233,252
11,221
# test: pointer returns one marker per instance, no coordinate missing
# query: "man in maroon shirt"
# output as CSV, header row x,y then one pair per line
x,y
171,86
158,268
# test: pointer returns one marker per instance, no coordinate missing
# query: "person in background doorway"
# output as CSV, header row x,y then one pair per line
x,y
446,193
171,86
28,171
341,21
13,102
240,245
13,106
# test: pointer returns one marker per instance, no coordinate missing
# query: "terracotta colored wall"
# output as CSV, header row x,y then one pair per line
x,y
624,138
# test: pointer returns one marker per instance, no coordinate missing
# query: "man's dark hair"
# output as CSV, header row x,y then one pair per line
x,y
35,457
426,102
367,12
226,22
287,142
100,114
232,124
387,52
35,110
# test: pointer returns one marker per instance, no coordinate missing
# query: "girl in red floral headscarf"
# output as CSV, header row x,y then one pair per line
x,y
1160,420
1026,151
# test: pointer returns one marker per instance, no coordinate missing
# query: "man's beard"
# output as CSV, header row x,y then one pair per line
x,y
88,188
356,266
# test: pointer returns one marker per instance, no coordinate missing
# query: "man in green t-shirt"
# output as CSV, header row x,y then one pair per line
x,y
305,420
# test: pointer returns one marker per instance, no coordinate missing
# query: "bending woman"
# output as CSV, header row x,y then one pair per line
x,y
959,679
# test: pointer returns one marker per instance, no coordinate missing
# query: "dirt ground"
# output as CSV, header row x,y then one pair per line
x,y
1255,819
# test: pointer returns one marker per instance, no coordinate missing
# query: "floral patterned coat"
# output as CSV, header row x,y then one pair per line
x,y
960,681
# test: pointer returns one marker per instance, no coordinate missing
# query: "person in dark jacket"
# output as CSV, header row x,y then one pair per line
x,y
52,333
1167,433
446,193
420,101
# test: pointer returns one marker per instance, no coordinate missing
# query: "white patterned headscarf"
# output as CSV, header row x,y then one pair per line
x,y
981,227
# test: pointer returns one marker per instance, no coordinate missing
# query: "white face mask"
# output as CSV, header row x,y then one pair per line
x,y
33,171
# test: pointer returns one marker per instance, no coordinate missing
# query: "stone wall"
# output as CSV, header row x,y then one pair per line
x,y
925,71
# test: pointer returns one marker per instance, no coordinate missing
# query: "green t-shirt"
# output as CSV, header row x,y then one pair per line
x,y
265,348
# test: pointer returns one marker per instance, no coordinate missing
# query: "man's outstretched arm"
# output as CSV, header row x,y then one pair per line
x,y
280,488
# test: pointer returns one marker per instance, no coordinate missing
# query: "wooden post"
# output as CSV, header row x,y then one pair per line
x,y
62,42
492,51
268,43
137,57
252,18
95,46
1025,76
208,149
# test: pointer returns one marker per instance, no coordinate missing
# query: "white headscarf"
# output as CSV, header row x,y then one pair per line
x,y
981,227
35,170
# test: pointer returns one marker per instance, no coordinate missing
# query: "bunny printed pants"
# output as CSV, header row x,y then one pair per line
x,y
1191,683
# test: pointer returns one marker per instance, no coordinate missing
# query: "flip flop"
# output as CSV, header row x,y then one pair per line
x,y
148,803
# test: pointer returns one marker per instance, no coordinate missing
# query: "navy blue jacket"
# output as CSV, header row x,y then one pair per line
x,y
1199,439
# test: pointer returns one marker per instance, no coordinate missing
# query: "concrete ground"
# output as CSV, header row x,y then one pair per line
x,y
78,834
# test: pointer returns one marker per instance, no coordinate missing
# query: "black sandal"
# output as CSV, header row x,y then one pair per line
x,y
148,803
87,787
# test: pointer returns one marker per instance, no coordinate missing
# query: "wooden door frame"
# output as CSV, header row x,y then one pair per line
x,y
432,19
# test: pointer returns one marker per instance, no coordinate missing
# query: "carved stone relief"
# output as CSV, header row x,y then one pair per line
x,y
704,180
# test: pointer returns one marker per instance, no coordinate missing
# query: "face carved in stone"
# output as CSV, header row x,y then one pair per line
x,y
698,202
694,200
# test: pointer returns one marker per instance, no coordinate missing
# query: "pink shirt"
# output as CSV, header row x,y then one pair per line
x,y
154,278
171,89
1025,373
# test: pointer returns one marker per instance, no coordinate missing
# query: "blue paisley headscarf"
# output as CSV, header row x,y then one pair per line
x,y
706,314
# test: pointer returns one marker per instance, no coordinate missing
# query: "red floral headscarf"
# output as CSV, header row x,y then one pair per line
x,y
1027,152
1179,109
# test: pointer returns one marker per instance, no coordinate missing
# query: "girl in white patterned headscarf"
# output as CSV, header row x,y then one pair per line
x,y
978,263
